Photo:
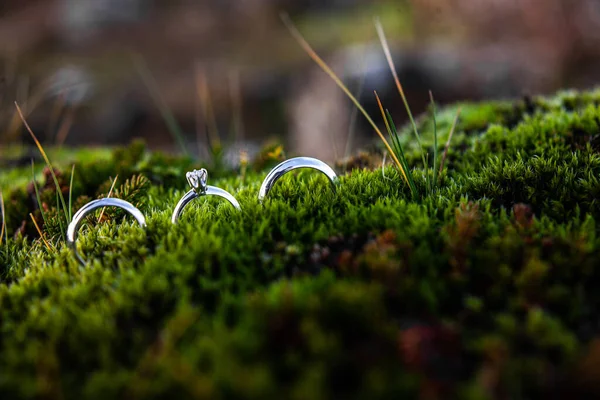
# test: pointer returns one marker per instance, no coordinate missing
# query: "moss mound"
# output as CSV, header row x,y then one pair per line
x,y
486,289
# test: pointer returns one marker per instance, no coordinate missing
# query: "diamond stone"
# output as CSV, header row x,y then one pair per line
x,y
197,179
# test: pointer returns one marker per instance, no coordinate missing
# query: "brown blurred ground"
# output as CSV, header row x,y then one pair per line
x,y
260,82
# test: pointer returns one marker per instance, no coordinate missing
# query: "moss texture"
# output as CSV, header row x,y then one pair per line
x,y
486,289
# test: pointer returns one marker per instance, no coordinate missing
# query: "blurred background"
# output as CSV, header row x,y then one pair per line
x,y
184,74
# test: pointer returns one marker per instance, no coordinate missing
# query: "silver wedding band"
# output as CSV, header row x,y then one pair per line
x,y
291,164
91,206
197,180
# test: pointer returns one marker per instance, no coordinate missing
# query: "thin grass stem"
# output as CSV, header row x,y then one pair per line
x,y
435,142
65,127
166,113
208,111
387,126
37,193
235,92
308,49
46,159
3,229
57,109
40,233
112,186
402,157
71,193
60,221
390,61
452,129
353,119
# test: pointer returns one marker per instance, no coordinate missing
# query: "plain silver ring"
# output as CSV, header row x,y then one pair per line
x,y
197,180
91,206
291,164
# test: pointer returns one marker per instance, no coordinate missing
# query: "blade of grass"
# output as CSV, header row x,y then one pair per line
x,y
40,232
354,112
71,193
390,61
57,109
383,167
13,127
333,144
387,126
36,98
37,193
353,119
60,221
208,111
315,57
391,128
396,140
166,113
235,91
65,127
3,229
393,137
413,187
449,139
46,159
112,186
435,142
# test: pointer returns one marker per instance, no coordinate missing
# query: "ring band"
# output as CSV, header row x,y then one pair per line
x,y
91,206
291,164
197,180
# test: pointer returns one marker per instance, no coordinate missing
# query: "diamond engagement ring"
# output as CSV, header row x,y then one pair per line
x,y
197,180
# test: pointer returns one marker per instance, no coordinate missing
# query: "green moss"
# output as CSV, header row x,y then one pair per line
x,y
486,288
